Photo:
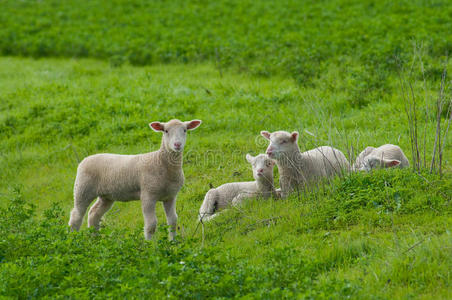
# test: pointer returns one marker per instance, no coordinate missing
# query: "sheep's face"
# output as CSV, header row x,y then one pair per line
x,y
175,133
262,166
281,143
359,163
372,162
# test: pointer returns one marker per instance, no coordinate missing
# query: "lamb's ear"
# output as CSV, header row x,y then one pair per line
x,y
294,136
265,134
157,126
388,163
193,124
249,158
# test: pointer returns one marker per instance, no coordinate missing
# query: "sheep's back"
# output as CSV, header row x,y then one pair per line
x,y
325,161
229,191
114,175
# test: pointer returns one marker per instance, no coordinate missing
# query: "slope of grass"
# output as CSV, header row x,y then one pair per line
x,y
353,240
56,112
379,235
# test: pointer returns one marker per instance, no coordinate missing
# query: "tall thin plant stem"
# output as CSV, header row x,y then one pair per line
x,y
437,143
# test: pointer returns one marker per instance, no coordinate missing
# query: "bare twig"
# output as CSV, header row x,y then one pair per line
x,y
75,152
409,112
415,245
415,134
449,113
438,124
202,234
426,109
197,225
208,92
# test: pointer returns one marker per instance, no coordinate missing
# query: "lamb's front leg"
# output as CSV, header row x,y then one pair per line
x,y
171,216
150,219
286,188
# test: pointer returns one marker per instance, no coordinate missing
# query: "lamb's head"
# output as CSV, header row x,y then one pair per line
x,y
373,162
357,166
282,143
262,166
174,133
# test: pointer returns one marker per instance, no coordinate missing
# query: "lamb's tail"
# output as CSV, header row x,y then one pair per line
x,y
209,206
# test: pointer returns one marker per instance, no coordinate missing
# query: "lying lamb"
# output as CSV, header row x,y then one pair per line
x,y
385,156
299,170
233,193
150,177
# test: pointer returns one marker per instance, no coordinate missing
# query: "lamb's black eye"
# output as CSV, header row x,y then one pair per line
x,y
166,131
185,130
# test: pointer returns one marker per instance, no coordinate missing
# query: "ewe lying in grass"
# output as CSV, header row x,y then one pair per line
x,y
300,170
150,177
233,193
385,156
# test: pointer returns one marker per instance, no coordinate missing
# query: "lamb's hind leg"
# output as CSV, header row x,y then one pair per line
x,y
83,196
208,206
96,212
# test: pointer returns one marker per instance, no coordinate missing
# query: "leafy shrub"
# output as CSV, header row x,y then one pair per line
x,y
296,38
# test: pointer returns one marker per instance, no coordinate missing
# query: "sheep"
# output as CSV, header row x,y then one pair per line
x,y
235,192
299,170
385,156
150,177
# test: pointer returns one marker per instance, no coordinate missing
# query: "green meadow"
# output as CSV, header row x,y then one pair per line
x,y
83,78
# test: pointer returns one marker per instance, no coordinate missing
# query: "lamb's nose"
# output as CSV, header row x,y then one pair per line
x,y
260,170
177,145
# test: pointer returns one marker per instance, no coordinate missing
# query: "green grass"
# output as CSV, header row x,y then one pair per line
x,y
299,38
78,78
379,235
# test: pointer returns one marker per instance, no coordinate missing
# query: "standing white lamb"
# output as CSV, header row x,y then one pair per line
x,y
234,192
150,177
385,156
297,171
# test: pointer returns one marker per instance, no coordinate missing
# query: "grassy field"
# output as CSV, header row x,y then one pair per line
x,y
79,79
352,238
